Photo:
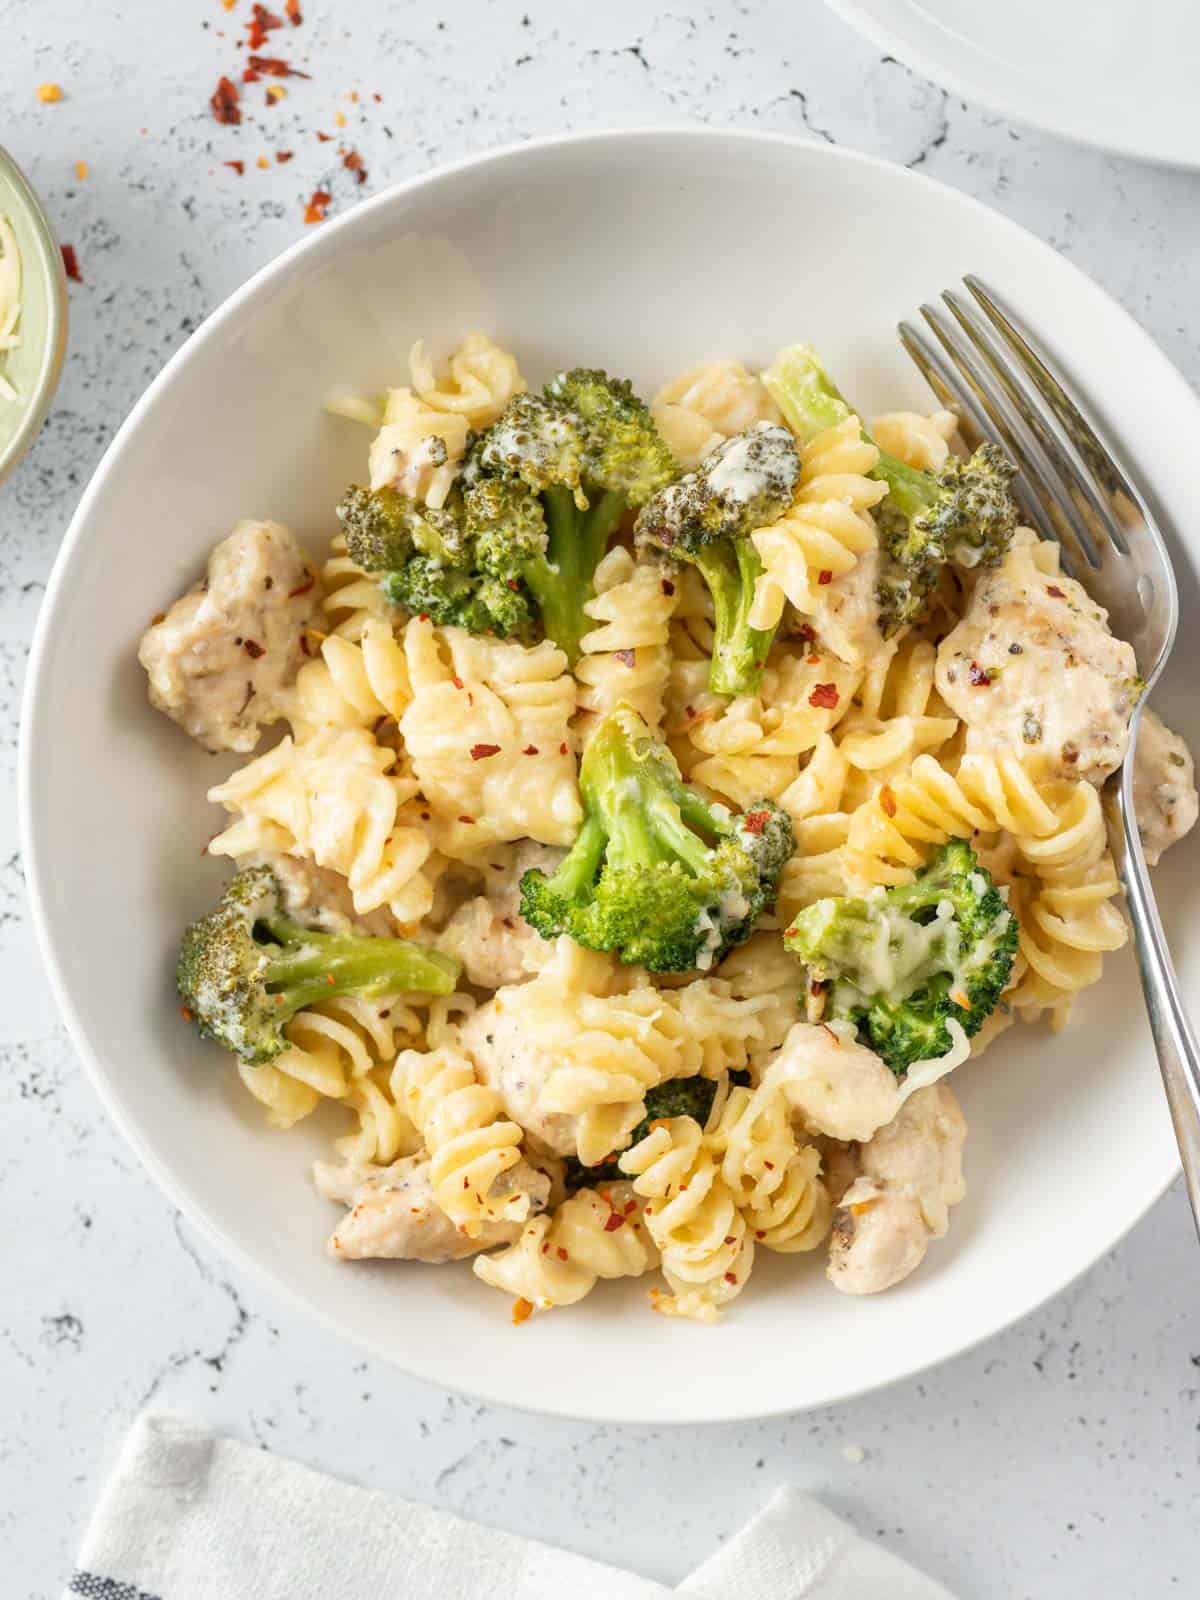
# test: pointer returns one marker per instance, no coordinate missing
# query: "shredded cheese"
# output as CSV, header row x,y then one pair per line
x,y
10,299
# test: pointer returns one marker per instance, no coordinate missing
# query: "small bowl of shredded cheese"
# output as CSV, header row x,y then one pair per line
x,y
33,314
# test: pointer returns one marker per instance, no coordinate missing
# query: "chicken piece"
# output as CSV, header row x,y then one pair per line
x,y
1164,787
393,1216
487,933
846,618
1032,667
221,658
509,1061
834,1084
319,898
911,1176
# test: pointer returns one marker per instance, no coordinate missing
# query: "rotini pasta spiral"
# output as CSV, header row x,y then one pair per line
x,y
352,685
488,732
775,1179
916,439
334,798
342,1049
896,716
352,597
626,658
826,529
692,1214
471,1143
482,379
751,747
559,1257
708,403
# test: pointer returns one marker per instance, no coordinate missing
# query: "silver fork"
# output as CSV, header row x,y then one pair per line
x,y
988,367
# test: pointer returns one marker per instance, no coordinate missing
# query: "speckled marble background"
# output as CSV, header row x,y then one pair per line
x,y
1058,1461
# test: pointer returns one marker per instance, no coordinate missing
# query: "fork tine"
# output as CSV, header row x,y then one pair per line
x,y
959,397
1053,522
1036,445
1098,468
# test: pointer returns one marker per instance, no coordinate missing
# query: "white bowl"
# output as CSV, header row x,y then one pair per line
x,y
642,251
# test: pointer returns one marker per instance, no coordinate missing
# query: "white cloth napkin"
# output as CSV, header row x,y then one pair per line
x,y
190,1516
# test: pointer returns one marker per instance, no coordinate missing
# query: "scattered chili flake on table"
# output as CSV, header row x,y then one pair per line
x,y
275,67
81,170
283,155
324,137
353,162
315,210
71,263
260,25
263,163
339,118
48,93
824,695
238,166
275,92
224,102
292,12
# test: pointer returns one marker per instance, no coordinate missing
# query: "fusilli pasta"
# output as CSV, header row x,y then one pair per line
x,y
625,658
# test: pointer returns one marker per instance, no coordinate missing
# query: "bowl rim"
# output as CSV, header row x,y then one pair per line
x,y
863,16
50,264
476,1384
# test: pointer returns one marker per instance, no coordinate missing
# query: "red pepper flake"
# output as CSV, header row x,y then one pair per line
x,y
814,660
304,587
824,695
291,11
530,750
457,682
625,657
480,752
275,67
513,585
668,588
325,138
887,800
159,616
755,821
825,577
981,677
250,76
283,155
224,102
561,1253
353,162
562,749
817,986
186,1013
1052,588
314,211
253,649
731,1277
806,632
522,1311
615,1221
262,22
71,263
467,819
238,166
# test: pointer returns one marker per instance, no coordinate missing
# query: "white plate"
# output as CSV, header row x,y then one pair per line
x,y
1119,74
643,251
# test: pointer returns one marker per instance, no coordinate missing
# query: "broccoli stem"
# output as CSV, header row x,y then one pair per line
x,y
314,966
730,568
561,581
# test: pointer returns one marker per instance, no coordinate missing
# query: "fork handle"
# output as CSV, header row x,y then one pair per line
x,y
1174,1040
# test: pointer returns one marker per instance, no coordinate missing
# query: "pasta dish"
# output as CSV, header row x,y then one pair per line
x,y
670,796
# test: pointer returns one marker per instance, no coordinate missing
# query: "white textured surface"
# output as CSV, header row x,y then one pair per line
x,y
1058,1461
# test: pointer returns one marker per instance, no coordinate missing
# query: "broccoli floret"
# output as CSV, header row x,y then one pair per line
x,y
902,963
246,968
706,518
426,562
573,461
964,513
656,873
